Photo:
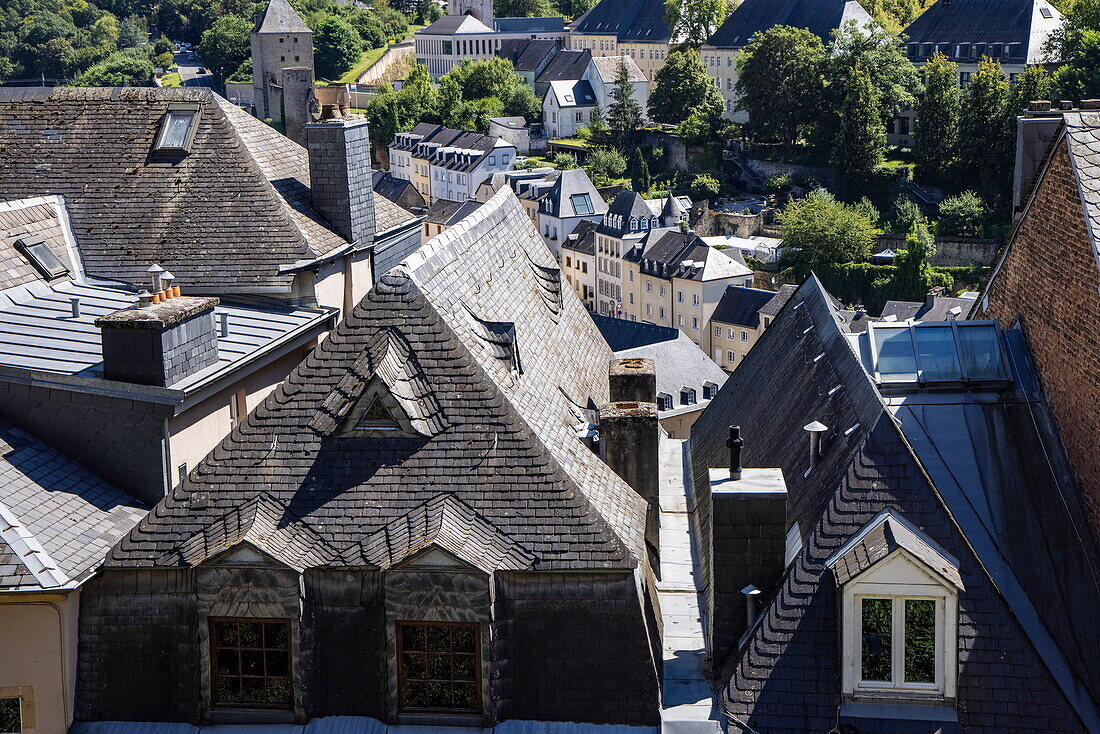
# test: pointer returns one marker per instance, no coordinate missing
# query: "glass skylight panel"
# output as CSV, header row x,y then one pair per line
x,y
582,204
42,258
936,354
175,131
980,352
896,359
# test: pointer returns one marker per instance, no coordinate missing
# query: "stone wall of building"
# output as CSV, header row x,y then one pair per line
x,y
950,251
138,635
713,223
1049,282
568,644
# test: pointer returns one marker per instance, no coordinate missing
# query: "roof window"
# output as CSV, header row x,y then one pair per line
x,y
933,352
177,129
582,204
1045,11
39,254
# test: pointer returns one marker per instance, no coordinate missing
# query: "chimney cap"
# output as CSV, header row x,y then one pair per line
x,y
167,276
815,427
155,268
750,590
158,315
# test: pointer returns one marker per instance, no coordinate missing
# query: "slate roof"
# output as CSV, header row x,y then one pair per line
x,y
226,217
505,449
1023,25
583,238
457,150
820,17
443,211
630,20
741,306
668,253
965,472
566,65
679,362
941,308
527,54
1083,140
778,301
621,334
30,221
545,24
573,93
607,67
559,201
450,25
68,517
280,17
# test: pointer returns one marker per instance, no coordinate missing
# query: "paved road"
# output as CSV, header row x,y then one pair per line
x,y
189,67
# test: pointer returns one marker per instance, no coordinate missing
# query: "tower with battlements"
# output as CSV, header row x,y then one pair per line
x,y
282,68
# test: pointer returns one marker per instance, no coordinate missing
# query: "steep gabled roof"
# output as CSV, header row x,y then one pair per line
x,y
565,65
820,17
1083,139
453,25
57,519
607,68
280,17
499,441
226,216
741,306
528,54
573,195
629,20
1022,25
971,489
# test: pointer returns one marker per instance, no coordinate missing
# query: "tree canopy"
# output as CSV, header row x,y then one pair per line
x,y
624,114
824,230
936,136
781,82
226,45
861,138
336,47
987,131
681,87
693,21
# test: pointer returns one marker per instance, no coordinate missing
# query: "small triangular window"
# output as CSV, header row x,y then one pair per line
x,y
377,414
377,417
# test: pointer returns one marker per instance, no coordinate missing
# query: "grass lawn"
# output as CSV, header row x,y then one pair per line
x,y
570,141
171,80
366,61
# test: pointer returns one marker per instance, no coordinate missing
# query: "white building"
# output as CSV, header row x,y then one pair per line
x,y
444,163
568,103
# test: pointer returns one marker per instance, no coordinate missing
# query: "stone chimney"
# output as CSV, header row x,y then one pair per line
x,y
340,168
159,343
633,380
629,433
747,550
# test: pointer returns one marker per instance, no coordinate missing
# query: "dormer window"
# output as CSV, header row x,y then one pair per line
x,y
664,401
177,129
899,612
687,396
709,390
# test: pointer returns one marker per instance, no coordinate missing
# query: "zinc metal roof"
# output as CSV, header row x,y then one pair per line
x,y
39,332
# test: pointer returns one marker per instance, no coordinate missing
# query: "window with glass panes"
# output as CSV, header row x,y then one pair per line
x,y
439,666
11,716
251,662
898,643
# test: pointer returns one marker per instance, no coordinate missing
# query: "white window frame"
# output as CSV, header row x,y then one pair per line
x,y
898,578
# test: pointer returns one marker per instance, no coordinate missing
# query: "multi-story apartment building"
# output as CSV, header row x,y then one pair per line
x,y
568,103
470,31
650,268
444,163
578,262
1013,32
634,28
721,50
740,319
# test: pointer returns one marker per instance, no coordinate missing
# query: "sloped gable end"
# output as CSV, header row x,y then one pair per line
x,y
888,540
445,525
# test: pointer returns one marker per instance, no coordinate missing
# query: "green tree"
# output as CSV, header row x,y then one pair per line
x,y
640,181
936,135
913,274
861,137
604,164
1035,83
450,97
695,20
120,70
704,186
104,31
563,161
521,8
682,86
162,46
987,130
474,114
781,82
132,32
574,8
598,132
1080,77
336,47
904,215
624,114
824,230
962,215
879,55
226,44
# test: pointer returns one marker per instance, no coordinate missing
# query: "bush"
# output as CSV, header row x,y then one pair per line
x,y
165,61
704,186
122,69
962,215
605,163
778,184
824,230
562,161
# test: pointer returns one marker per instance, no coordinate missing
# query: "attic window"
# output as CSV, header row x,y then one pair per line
x,y
709,390
177,130
582,204
41,257
1046,12
664,401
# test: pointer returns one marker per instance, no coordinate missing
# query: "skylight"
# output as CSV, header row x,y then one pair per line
x,y
177,130
582,204
937,352
41,257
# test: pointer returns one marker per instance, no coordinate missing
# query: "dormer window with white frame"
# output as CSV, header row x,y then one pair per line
x,y
899,613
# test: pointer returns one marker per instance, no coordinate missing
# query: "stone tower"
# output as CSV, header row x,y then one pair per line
x,y
480,9
282,68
